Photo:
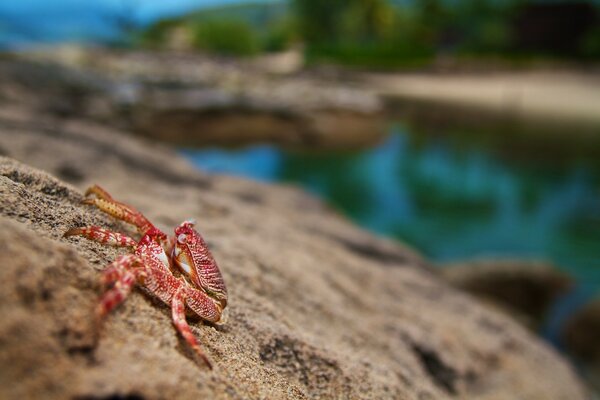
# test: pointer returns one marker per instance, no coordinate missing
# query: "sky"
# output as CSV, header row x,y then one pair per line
x,y
32,21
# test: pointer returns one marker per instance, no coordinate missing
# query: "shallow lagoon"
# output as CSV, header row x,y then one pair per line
x,y
453,197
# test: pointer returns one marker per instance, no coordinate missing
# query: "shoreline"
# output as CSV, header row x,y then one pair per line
x,y
565,97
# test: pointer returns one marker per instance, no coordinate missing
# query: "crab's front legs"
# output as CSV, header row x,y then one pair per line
x,y
122,211
102,235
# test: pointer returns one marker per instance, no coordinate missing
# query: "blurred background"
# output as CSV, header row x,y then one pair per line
x,y
468,129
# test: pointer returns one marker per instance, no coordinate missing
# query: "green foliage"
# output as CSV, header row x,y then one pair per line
x,y
239,29
381,57
590,45
367,21
226,37
364,33
339,21
317,19
157,34
368,33
483,26
279,35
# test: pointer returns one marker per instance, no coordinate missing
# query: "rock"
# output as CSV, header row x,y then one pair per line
x,y
193,100
202,117
525,289
580,338
52,88
318,308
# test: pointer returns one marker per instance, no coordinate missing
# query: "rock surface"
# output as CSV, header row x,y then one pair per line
x,y
193,100
525,289
318,308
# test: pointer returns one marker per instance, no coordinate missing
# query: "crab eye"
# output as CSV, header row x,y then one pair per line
x,y
181,238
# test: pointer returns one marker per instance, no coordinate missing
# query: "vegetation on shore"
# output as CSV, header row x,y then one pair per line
x,y
389,33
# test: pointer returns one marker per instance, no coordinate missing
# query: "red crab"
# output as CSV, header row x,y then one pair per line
x,y
179,271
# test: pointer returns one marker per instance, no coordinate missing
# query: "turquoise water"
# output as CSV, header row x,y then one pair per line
x,y
453,198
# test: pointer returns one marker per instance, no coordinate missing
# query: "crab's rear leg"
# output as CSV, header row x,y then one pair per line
x,y
124,212
117,294
102,235
115,270
178,315
124,272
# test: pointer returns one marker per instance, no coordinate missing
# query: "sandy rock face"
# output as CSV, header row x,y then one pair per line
x,y
318,308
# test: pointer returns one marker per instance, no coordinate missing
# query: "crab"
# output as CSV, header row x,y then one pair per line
x,y
180,271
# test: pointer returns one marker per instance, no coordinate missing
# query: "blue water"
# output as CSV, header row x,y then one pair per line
x,y
450,200
27,23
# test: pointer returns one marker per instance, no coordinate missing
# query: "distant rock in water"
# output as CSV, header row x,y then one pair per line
x,y
581,338
525,289
318,309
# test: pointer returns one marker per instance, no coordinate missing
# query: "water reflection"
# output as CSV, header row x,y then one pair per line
x,y
451,200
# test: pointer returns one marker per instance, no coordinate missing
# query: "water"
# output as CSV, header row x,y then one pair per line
x,y
30,23
453,199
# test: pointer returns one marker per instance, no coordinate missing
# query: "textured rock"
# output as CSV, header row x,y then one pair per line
x,y
525,289
318,308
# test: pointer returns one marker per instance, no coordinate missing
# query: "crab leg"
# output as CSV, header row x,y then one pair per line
x,y
119,210
178,315
115,270
115,296
103,236
123,271
98,191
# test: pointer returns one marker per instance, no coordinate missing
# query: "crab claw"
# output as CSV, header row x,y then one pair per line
x,y
193,258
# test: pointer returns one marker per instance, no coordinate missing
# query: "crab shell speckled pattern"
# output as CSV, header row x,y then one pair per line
x,y
192,256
